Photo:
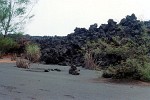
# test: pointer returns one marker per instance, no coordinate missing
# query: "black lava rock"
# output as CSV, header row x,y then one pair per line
x,y
68,49
73,70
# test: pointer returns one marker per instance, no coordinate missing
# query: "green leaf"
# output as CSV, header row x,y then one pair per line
x,y
23,1
20,11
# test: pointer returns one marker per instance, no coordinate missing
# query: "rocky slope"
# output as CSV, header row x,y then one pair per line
x,y
70,49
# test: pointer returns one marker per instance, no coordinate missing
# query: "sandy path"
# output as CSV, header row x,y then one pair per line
x,y
19,84
6,60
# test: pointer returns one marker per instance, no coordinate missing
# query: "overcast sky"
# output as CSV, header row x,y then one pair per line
x,y
60,17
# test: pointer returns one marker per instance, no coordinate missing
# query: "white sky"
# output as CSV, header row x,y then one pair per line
x,y
60,17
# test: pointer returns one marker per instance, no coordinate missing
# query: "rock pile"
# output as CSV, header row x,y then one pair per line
x,y
73,70
70,49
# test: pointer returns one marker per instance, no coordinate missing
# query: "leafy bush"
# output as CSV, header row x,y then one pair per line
x,y
145,72
33,52
6,44
108,73
132,68
127,69
123,57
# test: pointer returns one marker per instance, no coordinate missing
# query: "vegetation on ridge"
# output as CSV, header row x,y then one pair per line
x,y
121,50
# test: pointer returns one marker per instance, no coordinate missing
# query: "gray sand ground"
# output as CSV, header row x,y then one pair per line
x,y
19,84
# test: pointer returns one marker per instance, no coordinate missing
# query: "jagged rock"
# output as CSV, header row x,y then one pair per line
x,y
58,70
46,70
73,70
93,28
69,49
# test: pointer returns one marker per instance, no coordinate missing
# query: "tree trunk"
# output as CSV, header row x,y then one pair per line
x,y
9,19
5,34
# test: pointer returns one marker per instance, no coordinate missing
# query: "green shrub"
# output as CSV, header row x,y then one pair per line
x,y
33,52
122,57
1,35
127,69
6,44
145,72
108,73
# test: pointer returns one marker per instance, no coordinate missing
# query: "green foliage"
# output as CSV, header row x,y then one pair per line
x,y
1,35
130,56
127,69
145,72
6,44
33,52
13,15
16,36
